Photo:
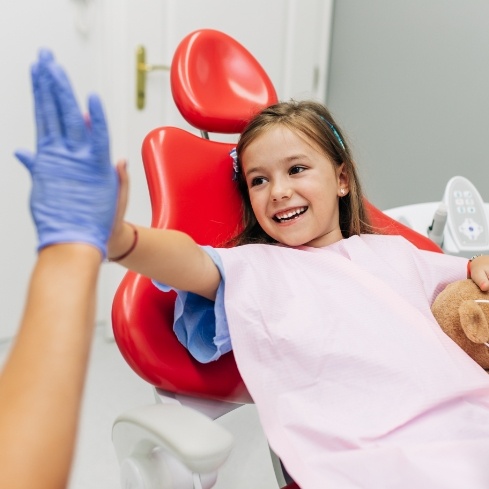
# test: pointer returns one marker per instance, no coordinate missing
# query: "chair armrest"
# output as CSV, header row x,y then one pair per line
x,y
194,439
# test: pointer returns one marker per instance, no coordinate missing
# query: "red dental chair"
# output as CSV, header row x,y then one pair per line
x,y
217,85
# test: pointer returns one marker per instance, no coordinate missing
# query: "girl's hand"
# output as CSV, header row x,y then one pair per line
x,y
120,238
479,271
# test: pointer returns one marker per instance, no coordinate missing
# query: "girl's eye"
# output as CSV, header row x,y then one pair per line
x,y
296,169
257,181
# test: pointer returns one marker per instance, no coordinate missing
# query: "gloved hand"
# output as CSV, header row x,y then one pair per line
x,y
74,185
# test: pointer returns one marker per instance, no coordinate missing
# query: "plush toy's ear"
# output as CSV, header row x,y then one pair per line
x,y
474,322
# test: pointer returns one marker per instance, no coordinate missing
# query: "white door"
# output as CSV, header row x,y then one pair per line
x,y
290,38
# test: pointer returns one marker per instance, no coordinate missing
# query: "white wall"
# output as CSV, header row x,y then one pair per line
x,y
25,26
409,83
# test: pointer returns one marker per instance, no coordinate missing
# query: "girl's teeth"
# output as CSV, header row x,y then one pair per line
x,y
290,214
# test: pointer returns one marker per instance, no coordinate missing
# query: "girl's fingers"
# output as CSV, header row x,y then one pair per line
x,y
123,196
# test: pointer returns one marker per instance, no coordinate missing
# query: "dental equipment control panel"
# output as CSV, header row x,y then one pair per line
x,y
459,224
467,223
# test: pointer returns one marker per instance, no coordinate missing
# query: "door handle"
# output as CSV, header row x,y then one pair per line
x,y
142,69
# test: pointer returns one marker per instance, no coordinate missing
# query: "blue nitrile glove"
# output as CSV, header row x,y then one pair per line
x,y
74,185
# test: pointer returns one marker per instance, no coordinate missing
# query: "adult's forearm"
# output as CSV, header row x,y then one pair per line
x,y
42,382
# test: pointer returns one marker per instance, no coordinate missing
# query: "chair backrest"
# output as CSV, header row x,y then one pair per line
x,y
217,84
191,189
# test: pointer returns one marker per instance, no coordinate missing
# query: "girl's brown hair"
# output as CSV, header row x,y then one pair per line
x,y
314,122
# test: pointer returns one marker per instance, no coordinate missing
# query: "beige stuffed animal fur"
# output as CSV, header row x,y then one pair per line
x,y
465,320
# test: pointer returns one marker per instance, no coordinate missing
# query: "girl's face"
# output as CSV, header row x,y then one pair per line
x,y
294,188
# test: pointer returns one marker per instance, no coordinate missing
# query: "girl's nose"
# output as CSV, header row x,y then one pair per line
x,y
280,190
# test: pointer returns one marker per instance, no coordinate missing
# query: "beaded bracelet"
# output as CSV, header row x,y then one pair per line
x,y
133,245
469,275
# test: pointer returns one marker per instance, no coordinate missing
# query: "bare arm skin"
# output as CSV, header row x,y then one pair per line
x,y
170,257
41,385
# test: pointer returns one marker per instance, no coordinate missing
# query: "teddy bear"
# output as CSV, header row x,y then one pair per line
x,y
464,319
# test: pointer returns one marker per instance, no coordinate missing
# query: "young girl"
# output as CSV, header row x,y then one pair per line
x,y
355,383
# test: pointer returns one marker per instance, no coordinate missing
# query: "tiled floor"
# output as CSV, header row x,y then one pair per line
x,y
112,388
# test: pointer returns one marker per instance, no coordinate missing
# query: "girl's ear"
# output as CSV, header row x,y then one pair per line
x,y
343,180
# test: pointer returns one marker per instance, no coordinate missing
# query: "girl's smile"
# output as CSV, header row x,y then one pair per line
x,y
294,188
288,215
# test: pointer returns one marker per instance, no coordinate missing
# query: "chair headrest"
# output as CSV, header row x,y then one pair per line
x,y
217,84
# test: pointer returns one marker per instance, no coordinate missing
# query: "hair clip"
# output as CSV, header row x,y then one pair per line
x,y
234,156
335,132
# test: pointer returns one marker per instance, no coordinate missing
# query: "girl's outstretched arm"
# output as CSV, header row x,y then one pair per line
x,y
170,257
